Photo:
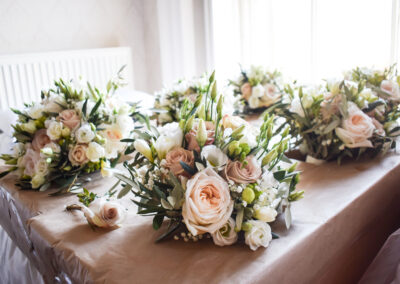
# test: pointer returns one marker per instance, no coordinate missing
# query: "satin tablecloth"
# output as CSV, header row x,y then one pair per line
x,y
346,215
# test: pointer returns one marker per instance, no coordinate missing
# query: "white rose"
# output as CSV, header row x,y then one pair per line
x,y
214,156
29,127
392,88
94,152
41,167
37,181
258,235
104,214
84,134
54,130
307,100
36,111
125,124
265,214
254,102
295,107
226,235
55,148
258,91
356,129
171,136
208,204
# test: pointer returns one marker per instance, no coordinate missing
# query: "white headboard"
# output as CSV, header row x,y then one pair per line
x,y
23,76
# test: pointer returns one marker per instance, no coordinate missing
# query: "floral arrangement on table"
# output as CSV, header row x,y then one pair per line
x,y
73,131
256,89
214,175
169,101
345,118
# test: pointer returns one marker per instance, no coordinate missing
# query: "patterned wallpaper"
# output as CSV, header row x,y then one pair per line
x,y
50,25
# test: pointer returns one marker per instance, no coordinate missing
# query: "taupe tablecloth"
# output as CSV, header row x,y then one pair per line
x,y
346,215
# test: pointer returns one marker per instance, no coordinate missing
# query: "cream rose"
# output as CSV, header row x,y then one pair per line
x,y
171,135
84,134
70,118
233,122
29,161
392,88
356,128
259,234
77,155
104,214
36,111
208,204
245,89
177,155
54,130
94,152
270,96
243,175
226,235
265,214
40,139
191,136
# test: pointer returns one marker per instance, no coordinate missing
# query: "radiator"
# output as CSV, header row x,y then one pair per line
x,y
23,76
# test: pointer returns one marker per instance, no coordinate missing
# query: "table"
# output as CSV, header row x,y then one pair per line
x,y
346,215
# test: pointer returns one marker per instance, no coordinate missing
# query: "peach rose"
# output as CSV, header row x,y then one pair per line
x,y
29,161
191,136
77,155
104,214
70,118
176,155
243,175
208,204
40,139
356,128
245,89
392,88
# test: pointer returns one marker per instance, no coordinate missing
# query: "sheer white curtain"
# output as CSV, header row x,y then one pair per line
x,y
305,39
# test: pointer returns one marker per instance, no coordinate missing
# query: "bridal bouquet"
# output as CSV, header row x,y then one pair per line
x,y
73,131
345,118
256,88
212,174
169,101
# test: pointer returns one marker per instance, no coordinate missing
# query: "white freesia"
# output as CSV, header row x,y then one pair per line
x,y
214,156
54,130
171,136
356,129
226,235
94,152
266,214
104,214
142,147
296,107
36,111
259,235
84,134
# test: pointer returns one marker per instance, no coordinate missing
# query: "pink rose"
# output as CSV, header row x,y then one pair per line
x,y
70,118
77,155
208,204
29,161
191,136
176,155
245,89
270,96
243,175
356,129
40,139
392,88
104,214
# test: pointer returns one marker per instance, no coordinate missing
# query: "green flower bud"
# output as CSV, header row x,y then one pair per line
x,y
198,100
245,148
92,126
269,157
67,168
286,132
246,226
214,91
292,168
182,124
189,123
235,134
232,147
219,106
248,195
65,132
269,131
202,112
211,79
201,135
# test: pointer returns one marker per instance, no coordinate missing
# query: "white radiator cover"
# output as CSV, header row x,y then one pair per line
x,y
23,76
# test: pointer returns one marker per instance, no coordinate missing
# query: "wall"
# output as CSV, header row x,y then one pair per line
x,y
48,25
